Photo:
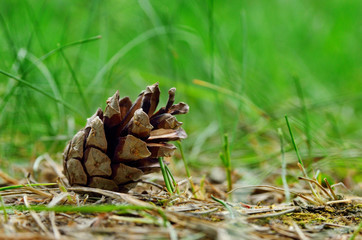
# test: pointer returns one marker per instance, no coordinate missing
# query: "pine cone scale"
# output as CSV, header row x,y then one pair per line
x,y
151,99
97,137
103,183
124,174
97,163
131,148
125,105
161,149
76,146
160,135
140,125
76,173
130,113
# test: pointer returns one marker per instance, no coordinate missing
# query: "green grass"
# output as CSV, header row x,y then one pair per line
x,y
168,178
224,204
226,162
300,161
283,167
27,185
4,209
55,74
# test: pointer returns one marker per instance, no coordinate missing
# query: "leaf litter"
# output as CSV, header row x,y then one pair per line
x,y
30,210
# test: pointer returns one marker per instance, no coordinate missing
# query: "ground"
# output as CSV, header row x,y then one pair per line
x,y
150,212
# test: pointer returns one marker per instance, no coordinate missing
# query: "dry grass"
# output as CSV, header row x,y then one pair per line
x,y
150,212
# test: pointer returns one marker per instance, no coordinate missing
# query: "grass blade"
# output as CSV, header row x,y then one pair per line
x,y
39,90
27,185
295,145
179,145
305,113
232,215
284,166
225,159
358,229
8,37
52,52
74,77
174,183
300,161
124,50
230,93
6,218
54,86
166,177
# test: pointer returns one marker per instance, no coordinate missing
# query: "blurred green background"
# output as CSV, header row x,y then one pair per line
x,y
249,53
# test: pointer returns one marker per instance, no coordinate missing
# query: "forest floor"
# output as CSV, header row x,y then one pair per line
x,y
57,211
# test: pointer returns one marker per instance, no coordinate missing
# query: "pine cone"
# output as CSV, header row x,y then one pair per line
x,y
120,145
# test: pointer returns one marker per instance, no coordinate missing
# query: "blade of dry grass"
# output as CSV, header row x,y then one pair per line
x,y
35,216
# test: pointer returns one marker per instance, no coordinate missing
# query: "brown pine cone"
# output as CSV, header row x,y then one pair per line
x,y
120,145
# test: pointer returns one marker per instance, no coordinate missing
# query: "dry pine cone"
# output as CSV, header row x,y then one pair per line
x,y
120,145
